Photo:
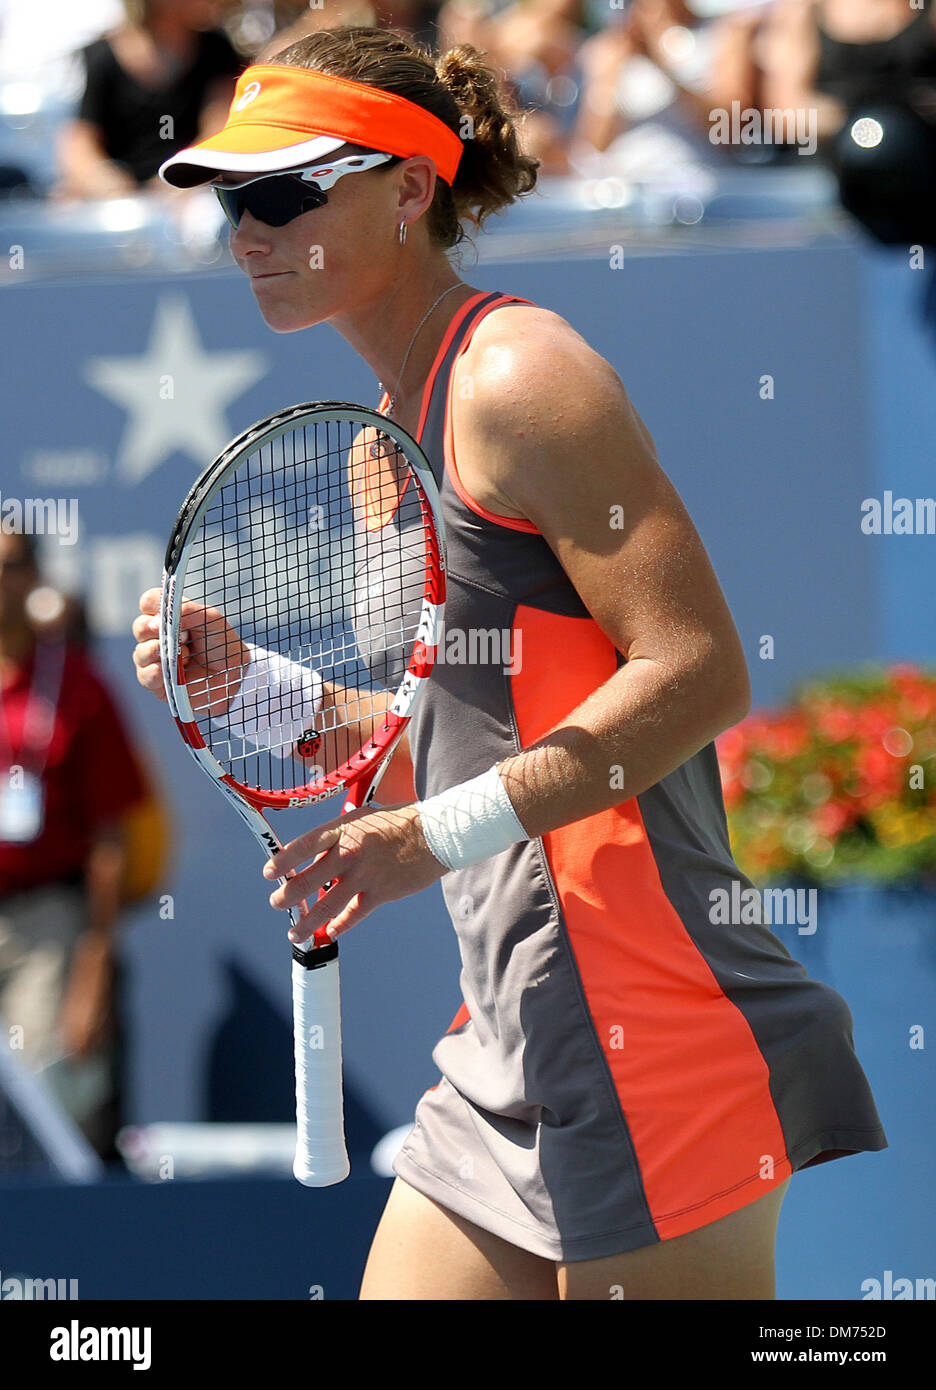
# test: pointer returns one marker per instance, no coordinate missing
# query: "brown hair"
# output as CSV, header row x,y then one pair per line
x,y
459,88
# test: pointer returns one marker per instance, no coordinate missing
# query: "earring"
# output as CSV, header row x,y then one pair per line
x,y
402,233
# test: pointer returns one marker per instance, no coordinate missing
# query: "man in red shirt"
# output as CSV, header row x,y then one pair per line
x,y
67,778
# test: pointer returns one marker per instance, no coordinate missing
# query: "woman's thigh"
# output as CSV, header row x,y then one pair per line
x,y
732,1258
423,1251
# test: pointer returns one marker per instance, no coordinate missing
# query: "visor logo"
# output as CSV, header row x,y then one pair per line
x,y
249,94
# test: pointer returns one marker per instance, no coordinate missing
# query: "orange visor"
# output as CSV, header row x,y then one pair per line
x,y
283,117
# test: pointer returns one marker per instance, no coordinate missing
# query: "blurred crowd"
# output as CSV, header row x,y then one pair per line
x,y
83,836
645,90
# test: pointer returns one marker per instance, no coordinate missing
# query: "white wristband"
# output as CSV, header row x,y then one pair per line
x,y
275,703
470,822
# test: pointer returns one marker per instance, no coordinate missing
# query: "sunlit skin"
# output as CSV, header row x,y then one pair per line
x,y
330,266
367,286
540,395
547,433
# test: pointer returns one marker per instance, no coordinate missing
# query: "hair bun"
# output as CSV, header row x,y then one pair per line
x,y
493,171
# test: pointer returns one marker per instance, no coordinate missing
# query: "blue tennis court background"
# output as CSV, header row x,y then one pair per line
x,y
775,488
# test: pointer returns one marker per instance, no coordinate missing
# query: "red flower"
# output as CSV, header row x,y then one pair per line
x,y
755,730
788,737
836,722
730,745
874,721
905,676
885,776
833,817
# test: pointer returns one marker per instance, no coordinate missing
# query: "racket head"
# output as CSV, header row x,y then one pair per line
x,y
316,538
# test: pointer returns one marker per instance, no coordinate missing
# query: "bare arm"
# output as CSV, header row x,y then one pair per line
x,y
790,46
553,427
551,434
215,651
87,1004
599,119
86,170
732,76
367,713
734,72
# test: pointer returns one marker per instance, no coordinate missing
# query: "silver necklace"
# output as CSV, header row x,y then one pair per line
x,y
393,399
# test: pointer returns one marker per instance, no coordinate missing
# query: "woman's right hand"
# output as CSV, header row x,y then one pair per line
x,y
213,656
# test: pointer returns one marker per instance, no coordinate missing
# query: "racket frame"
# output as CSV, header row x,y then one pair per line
x,y
360,775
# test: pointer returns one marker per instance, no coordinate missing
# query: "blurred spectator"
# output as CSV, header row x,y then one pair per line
x,y
653,78
867,68
39,79
68,778
463,21
296,19
36,37
537,43
417,17
159,82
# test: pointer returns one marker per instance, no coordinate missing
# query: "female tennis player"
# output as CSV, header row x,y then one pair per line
x,y
630,1082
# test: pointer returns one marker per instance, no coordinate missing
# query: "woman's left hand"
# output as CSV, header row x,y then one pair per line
x,y
377,856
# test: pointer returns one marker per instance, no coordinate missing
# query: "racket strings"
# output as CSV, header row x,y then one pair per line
x,y
305,580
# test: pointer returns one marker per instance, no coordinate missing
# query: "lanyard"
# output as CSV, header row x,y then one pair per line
x,y
41,705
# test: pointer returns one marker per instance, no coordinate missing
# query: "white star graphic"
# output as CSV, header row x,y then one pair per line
x,y
176,395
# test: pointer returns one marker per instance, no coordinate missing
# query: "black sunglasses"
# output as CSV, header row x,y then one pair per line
x,y
275,201
279,198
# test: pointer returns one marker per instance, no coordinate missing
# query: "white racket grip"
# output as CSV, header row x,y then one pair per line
x,y
321,1156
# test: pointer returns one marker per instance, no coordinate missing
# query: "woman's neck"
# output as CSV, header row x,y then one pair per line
x,y
402,329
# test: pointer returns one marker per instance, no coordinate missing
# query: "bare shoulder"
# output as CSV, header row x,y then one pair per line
x,y
525,339
527,385
529,362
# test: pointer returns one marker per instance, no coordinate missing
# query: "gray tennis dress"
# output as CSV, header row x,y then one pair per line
x,y
623,1070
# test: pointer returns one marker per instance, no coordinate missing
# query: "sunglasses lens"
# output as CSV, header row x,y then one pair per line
x,y
229,204
274,201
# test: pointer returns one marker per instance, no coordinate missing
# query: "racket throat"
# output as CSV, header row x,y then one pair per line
x,y
315,956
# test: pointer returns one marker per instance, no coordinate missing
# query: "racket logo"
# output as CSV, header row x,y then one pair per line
x,y
320,796
308,743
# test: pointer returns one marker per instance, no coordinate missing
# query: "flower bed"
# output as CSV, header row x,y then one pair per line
x,y
840,784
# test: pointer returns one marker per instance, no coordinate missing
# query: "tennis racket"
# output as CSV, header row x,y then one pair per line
x,y
302,599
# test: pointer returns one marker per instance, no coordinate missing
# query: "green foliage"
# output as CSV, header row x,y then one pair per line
x,y
839,785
